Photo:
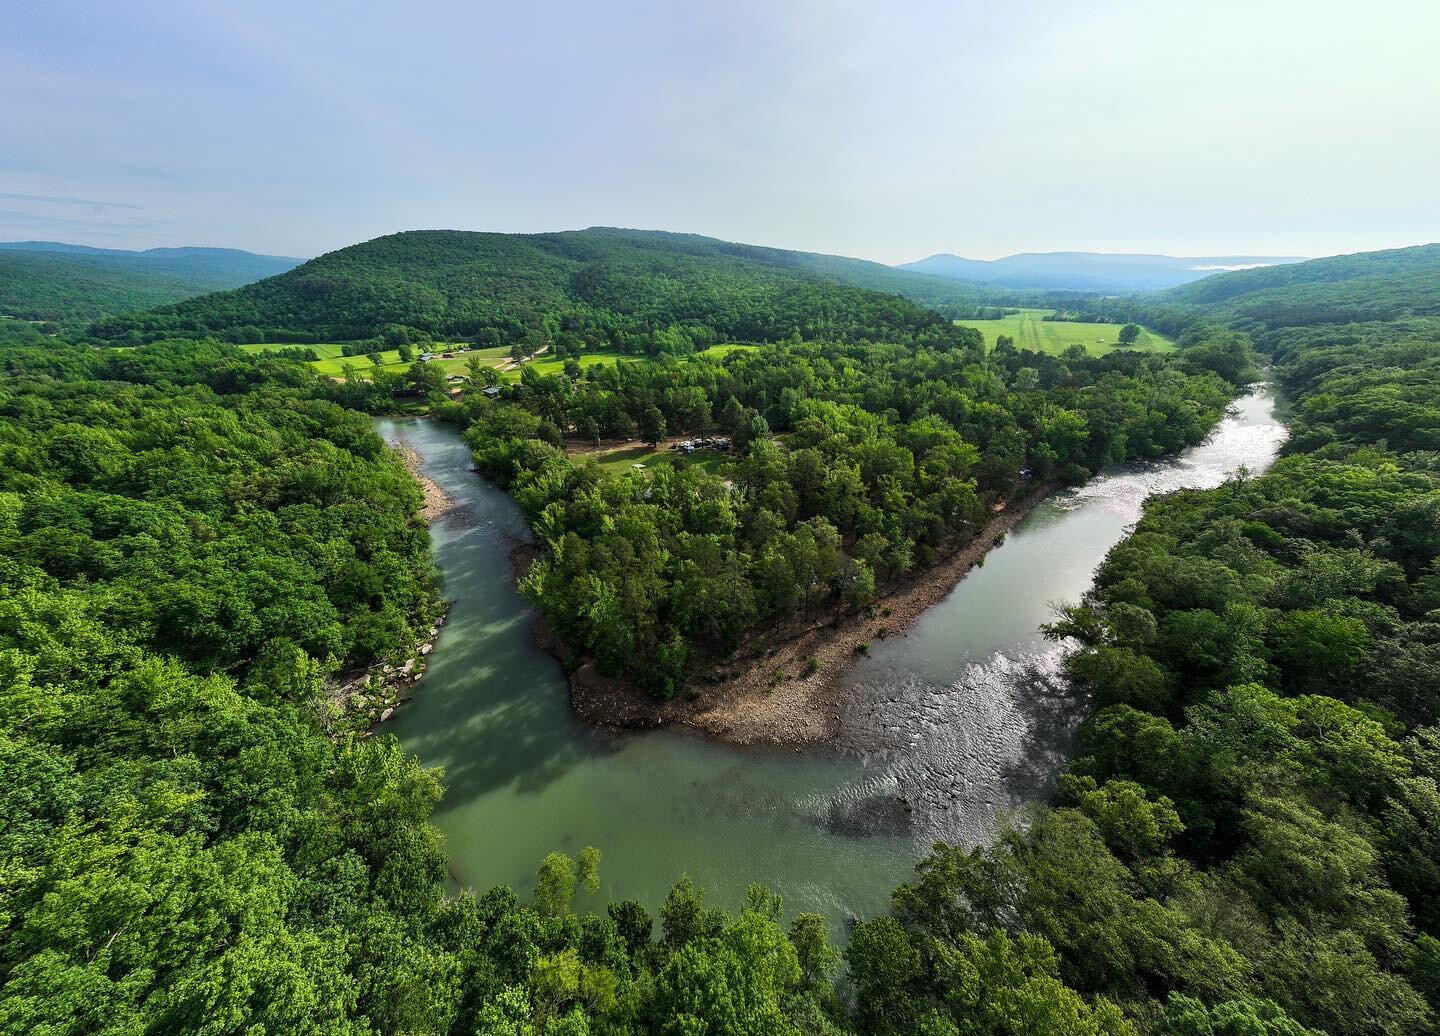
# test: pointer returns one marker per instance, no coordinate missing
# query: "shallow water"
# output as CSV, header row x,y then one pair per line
x,y
967,712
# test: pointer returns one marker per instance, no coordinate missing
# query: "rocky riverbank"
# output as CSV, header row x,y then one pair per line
x,y
783,688
364,698
438,503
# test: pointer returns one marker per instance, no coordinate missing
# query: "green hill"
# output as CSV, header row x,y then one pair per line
x,y
50,280
1366,286
604,285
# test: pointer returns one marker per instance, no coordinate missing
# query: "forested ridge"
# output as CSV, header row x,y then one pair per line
x,y
1384,287
1245,846
642,291
49,281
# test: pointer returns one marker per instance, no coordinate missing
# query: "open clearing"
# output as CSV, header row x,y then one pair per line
x,y
332,361
719,352
1031,331
619,458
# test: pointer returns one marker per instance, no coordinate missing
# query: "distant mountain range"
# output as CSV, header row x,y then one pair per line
x,y
53,280
1089,271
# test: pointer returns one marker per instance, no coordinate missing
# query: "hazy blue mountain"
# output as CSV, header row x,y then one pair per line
x,y
53,280
233,265
1089,271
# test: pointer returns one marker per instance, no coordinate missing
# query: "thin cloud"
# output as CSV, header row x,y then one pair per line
x,y
61,199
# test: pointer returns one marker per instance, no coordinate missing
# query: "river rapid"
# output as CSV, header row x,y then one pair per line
x,y
947,728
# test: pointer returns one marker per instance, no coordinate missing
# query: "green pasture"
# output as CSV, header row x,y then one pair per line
x,y
623,458
717,352
1031,331
499,356
332,361
545,364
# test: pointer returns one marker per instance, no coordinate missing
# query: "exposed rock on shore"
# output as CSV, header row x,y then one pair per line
x,y
363,699
438,503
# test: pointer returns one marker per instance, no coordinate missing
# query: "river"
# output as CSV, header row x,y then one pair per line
x,y
948,727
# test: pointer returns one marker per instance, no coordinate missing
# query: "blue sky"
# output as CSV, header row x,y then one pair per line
x,y
886,130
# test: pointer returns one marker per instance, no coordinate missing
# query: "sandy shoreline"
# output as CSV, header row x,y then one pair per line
x,y
438,503
771,699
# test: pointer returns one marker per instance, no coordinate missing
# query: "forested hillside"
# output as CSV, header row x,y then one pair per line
x,y
1367,286
638,290
47,280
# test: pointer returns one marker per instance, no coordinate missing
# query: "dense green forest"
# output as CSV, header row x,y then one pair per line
x,y
1246,845
21,332
857,465
46,280
641,291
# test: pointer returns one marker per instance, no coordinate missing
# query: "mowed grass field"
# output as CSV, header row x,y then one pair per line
x,y
332,361
545,364
719,352
622,459
1031,331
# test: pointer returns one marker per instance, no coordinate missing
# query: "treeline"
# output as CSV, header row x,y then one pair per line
x,y
23,332
855,465
986,313
634,291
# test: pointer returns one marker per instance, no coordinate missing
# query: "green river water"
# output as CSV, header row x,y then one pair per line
x,y
947,727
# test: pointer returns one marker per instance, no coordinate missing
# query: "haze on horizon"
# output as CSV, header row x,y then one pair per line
x,y
891,132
